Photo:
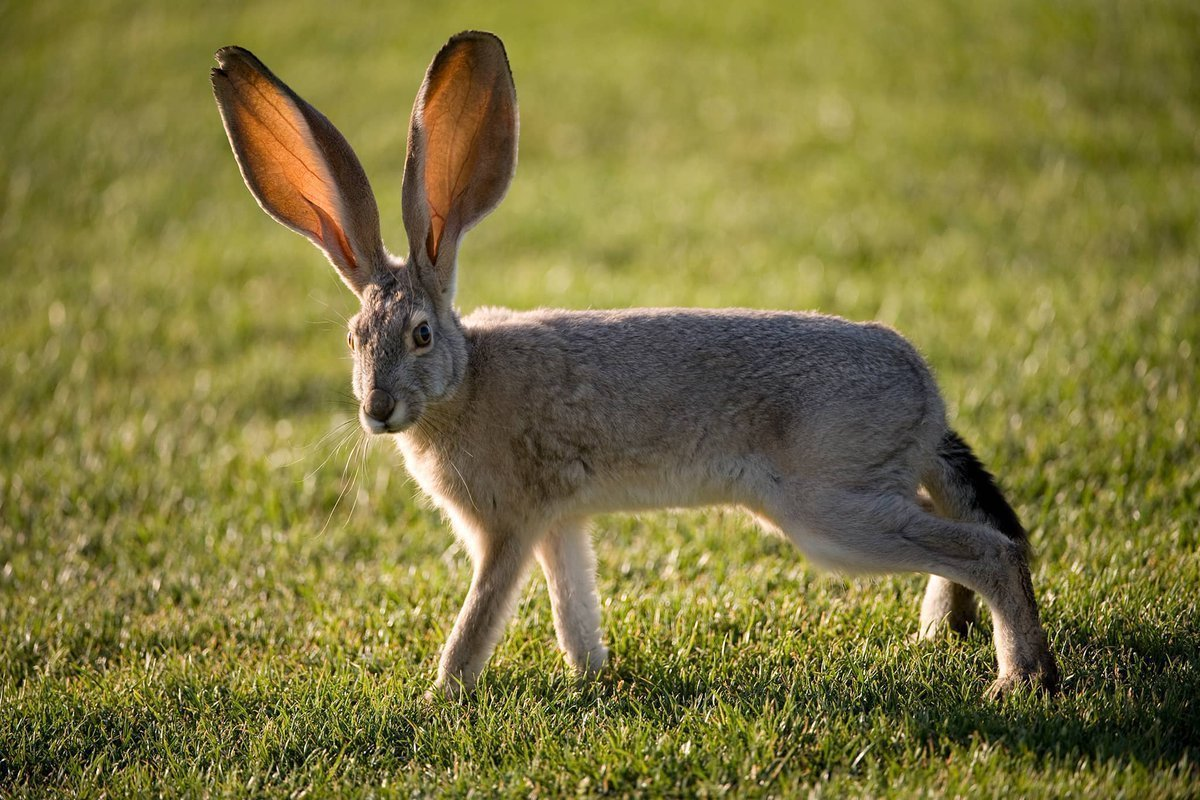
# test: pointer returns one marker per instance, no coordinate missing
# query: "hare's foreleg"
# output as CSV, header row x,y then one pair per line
x,y
885,532
566,557
500,563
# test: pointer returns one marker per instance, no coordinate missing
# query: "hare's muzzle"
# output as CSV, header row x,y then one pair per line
x,y
379,405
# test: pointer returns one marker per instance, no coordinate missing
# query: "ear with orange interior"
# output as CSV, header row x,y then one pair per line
x,y
462,150
299,168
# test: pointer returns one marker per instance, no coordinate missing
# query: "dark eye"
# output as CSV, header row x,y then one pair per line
x,y
422,335
350,340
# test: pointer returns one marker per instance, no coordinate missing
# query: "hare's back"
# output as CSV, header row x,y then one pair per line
x,y
690,363
644,408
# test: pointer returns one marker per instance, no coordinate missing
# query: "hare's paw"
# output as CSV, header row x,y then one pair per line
x,y
589,665
1041,678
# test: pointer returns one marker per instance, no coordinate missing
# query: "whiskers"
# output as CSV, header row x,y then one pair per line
x,y
357,460
346,433
342,432
431,427
439,431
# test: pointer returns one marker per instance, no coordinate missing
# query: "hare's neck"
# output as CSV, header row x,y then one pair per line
x,y
431,446
441,423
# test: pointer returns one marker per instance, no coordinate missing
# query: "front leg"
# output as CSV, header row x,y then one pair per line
x,y
500,563
565,554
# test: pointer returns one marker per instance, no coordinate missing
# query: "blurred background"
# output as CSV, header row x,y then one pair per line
x,y
1013,185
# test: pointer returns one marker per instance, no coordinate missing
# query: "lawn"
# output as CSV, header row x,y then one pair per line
x,y
209,585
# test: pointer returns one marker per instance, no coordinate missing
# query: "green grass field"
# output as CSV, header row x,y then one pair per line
x,y
186,608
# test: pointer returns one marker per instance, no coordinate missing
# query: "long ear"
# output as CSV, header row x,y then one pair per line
x,y
462,150
299,168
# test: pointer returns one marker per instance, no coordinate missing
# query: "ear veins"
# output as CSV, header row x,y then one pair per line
x,y
284,113
466,165
436,224
451,186
437,219
468,161
328,225
285,118
283,146
462,143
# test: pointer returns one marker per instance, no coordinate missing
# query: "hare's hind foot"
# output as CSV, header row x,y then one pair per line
x,y
1041,677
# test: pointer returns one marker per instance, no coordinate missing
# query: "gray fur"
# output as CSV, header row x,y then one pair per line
x,y
520,426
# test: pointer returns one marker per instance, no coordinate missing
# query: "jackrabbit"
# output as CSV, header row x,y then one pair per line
x,y
521,425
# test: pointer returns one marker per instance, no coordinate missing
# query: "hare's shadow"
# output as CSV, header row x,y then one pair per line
x,y
1130,695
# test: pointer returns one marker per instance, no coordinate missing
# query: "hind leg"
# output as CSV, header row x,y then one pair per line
x,y
948,606
566,557
885,532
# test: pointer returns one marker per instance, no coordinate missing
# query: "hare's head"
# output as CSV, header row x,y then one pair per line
x,y
409,349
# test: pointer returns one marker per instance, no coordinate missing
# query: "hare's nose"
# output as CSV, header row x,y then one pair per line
x,y
379,405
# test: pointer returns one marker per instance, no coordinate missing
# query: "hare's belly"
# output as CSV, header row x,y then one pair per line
x,y
573,486
738,480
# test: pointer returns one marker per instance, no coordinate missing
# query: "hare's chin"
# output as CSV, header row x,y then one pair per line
x,y
400,420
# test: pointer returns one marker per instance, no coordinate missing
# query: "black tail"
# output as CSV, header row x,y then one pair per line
x,y
976,488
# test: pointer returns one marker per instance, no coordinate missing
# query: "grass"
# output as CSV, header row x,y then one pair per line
x,y
185,606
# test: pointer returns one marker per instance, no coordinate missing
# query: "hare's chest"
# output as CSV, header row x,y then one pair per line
x,y
435,473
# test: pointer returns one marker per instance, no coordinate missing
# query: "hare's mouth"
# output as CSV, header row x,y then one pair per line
x,y
400,418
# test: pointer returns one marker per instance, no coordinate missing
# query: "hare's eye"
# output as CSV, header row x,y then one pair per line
x,y
422,335
350,340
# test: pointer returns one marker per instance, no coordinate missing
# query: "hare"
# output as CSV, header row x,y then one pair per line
x,y
521,425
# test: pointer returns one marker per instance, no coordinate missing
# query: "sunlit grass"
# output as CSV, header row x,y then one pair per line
x,y
205,588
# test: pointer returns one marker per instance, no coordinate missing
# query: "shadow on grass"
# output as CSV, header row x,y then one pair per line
x,y
1131,695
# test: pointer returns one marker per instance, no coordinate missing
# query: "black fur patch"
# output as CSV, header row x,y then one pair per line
x,y
987,496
